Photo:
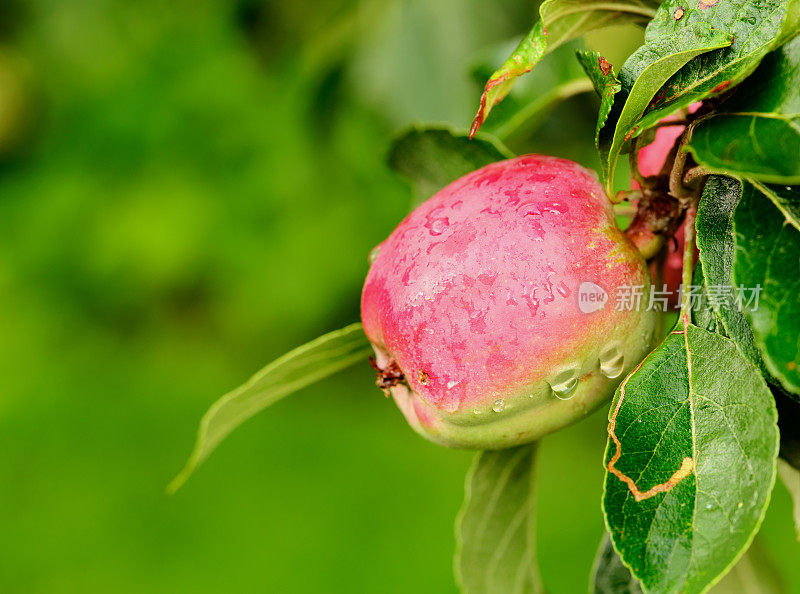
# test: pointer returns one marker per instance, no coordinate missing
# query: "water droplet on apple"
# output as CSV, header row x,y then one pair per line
x,y
612,361
564,384
498,405
438,225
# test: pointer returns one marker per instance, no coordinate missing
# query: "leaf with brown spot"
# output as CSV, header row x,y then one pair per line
x,y
691,461
605,82
756,131
642,75
757,28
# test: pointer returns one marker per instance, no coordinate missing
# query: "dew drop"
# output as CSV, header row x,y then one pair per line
x,y
451,406
438,225
612,361
564,384
498,405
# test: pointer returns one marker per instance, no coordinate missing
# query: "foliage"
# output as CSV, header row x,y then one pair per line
x,y
677,514
693,438
767,107
495,531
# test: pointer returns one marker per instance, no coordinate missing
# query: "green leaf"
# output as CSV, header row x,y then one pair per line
x,y
645,72
715,241
431,157
533,98
605,82
296,369
691,456
703,315
609,574
757,28
754,573
791,478
495,530
560,21
756,132
767,227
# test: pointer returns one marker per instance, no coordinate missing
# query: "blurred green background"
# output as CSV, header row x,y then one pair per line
x,y
188,190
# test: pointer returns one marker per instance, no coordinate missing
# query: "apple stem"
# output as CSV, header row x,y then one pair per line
x,y
657,216
666,199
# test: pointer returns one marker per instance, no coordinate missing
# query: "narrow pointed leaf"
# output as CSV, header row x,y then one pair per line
x,y
756,132
296,369
767,227
495,530
691,461
431,157
560,21
531,99
528,53
605,82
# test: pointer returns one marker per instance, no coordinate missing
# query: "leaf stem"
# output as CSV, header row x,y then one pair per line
x,y
606,6
688,257
658,281
527,115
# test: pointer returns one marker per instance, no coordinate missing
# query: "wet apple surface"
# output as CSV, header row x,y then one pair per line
x,y
510,303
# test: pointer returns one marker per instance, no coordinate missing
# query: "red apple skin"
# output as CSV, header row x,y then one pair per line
x,y
475,297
